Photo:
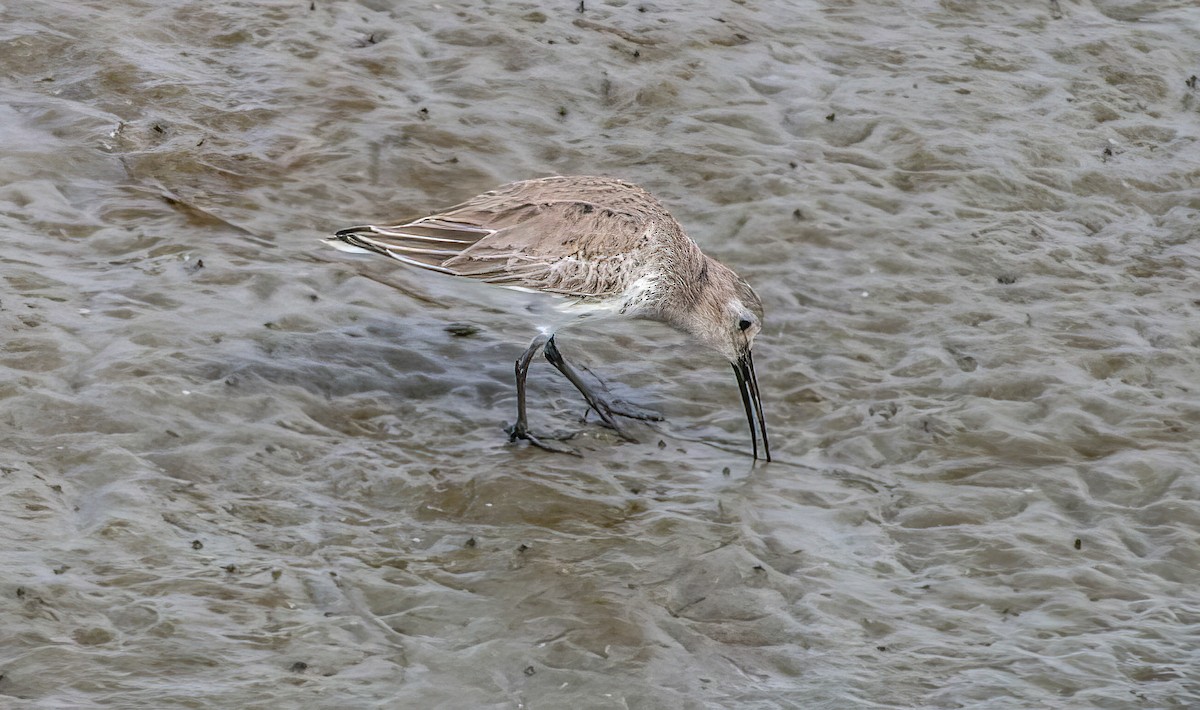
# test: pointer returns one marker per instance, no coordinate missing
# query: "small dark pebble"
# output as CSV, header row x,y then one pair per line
x,y
299,667
1007,279
423,114
529,670
793,164
637,53
725,471
662,444
231,568
635,490
881,648
470,542
887,410
797,214
462,330
197,545
1191,81
313,297
830,117
20,592
562,110
522,547
1078,544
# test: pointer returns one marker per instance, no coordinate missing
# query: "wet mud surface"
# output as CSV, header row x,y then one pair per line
x,y
240,470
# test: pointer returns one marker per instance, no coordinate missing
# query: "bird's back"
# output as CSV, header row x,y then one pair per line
x,y
589,237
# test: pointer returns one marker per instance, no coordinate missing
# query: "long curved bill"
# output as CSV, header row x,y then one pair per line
x,y
748,384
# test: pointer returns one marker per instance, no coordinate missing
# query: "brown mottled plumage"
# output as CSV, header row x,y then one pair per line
x,y
602,245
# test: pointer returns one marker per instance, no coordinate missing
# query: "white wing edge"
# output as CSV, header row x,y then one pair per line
x,y
343,246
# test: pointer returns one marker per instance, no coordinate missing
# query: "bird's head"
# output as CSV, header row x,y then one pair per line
x,y
726,315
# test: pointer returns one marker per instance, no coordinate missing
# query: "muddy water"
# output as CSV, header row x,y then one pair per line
x,y
239,470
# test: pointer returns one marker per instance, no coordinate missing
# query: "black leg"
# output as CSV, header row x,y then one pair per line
x,y
520,430
601,407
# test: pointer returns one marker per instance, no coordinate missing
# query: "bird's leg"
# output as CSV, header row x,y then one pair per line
x,y
520,430
597,403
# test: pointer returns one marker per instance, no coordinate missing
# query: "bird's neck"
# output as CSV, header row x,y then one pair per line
x,y
692,286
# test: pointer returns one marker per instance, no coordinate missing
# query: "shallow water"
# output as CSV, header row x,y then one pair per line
x,y
241,470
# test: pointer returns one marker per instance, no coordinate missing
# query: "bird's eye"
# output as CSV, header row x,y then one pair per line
x,y
744,324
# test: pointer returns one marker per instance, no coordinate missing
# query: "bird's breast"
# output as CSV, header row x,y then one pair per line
x,y
641,297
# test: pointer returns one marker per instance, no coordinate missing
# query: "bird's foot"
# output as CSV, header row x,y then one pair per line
x,y
607,414
521,431
625,409
632,411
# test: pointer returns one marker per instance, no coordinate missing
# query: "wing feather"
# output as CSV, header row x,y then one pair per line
x,y
572,236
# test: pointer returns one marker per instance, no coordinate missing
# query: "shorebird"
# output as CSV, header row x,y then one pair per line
x,y
592,247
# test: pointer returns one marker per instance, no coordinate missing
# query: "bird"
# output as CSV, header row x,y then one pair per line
x,y
590,247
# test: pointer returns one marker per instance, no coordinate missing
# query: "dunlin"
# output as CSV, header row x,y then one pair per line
x,y
593,246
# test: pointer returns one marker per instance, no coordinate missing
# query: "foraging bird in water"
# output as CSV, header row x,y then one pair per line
x,y
596,246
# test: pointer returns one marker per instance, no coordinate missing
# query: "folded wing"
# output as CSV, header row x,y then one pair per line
x,y
540,240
